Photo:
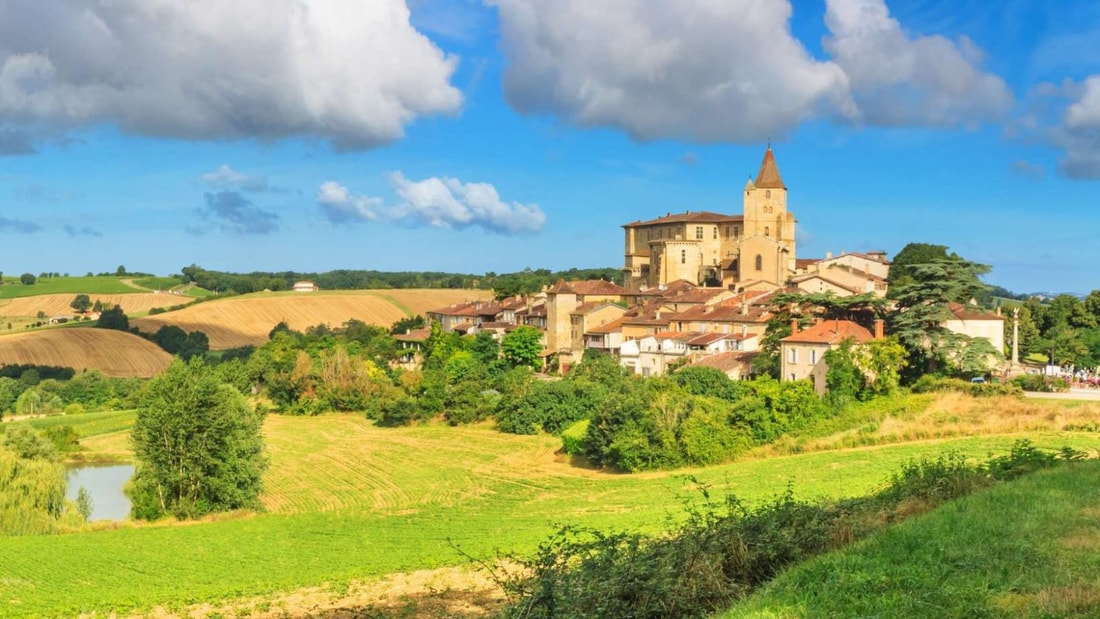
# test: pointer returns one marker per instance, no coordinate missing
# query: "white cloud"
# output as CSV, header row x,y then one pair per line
x,y
226,177
354,73
731,70
706,70
339,205
1079,134
898,80
438,202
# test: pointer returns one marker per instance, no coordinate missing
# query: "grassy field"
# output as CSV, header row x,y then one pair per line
x,y
349,502
65,285
247,320
115,353
1026,549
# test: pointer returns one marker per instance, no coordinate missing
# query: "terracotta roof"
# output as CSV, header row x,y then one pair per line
x,y
807,277
590,287
727,361
585,308
472,308
768,176
466,326
496,325
609,327
414,335
805,263
971,312
830,332
690,217
729,310
696,295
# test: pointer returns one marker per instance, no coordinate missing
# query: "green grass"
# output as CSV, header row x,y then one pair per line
x,y
1030,548
351,501
86,424
158,283
65,285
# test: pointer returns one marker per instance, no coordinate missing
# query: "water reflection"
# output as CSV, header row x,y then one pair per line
x,y
104,484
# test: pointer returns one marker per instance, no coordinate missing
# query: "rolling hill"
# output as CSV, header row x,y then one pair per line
x,y
248,319
58,304
115,353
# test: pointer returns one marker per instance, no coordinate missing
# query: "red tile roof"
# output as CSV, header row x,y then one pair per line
x,y
696,217
414,335
590,287
972,312
768,176
830,332
614,326
727,361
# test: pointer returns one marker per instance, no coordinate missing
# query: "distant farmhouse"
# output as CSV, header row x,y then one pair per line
x,y
305,286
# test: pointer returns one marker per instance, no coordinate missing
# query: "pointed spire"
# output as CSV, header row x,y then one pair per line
x,y
768,176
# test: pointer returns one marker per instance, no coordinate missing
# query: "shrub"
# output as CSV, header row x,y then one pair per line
x,y
1040,383
937,384
572,438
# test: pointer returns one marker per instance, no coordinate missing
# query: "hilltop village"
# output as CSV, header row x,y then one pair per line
x,y
699,290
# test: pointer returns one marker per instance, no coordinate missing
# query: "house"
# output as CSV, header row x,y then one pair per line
x,y
653,355
564,331
735,364
803,352
411,346
304,286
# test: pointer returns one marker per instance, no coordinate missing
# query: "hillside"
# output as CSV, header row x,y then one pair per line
x,y
58,304
248,319
115,353
99,284
1024,549
349,502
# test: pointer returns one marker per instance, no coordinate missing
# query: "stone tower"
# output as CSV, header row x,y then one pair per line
x,y
767,251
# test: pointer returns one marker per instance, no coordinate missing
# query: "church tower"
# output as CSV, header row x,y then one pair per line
x,y
767,251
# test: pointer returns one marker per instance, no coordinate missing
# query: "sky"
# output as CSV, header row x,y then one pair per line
x,y
496,135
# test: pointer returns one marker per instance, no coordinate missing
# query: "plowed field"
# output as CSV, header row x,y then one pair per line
x,y
58,304
115,353
245,320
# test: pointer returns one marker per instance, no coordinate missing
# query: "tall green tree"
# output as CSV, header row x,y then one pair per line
x,y
914,253
81,303
197,444
113,318
522,346
923,309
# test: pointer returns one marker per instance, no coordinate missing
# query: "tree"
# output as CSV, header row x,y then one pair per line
x,y
120,271
81,303
195,345
113,318
913,253
171,338
197,444
27,279
522,346
97,306
485,348
923,308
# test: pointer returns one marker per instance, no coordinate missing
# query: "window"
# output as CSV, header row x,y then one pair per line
x,y
767,194
813,357
715,232
727,230
792,355
683,256
699,232
736,231
767,231
759,262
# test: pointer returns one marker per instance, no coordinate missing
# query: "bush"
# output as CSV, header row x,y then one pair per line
x,y
938,384
572,438
1040,383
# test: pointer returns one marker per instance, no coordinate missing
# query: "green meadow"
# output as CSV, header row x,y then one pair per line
x,y
104,284
347,501
1030,548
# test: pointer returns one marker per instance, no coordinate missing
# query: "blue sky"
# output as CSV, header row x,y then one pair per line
x,y
473,136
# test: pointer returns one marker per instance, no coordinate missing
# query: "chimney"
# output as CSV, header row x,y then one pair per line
x,y
794,326
879,323
744,306
828,255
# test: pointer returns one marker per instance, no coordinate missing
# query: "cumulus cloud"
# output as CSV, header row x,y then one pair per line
x,y
226,177
731,70
18,226
75,231
1079,133
438,202
898,80
705,71
354,73
232,212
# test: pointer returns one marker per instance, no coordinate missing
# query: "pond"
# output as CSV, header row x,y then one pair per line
x,y
104,484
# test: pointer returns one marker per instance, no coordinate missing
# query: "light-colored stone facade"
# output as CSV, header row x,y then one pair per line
x,y
705,247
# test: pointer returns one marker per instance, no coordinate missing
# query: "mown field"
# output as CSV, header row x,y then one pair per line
x,y
58,304
248,319
1026,549
115,353
12,288
349,502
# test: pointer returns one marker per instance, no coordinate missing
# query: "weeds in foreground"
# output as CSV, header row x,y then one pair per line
x,y
724,550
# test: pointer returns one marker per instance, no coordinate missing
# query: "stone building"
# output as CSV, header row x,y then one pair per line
x,y
757,246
